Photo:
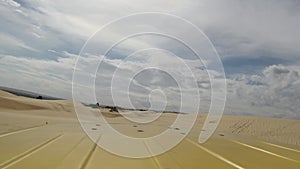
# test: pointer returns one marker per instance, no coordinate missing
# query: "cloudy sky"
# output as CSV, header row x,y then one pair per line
x,y
257,41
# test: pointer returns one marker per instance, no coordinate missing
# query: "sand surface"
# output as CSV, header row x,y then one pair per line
x,y
41,134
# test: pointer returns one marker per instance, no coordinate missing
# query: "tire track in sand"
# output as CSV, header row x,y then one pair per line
x,y
29,152
215,154
89,155
20,131
265,151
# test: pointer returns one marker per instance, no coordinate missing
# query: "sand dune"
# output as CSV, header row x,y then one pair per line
x,y
19,112
46,134
13,102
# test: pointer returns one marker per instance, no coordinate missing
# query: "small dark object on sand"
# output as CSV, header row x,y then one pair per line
x,y
113,109
134,126
46,122
176,128
94,128
221,134
140,130
213,121
98,125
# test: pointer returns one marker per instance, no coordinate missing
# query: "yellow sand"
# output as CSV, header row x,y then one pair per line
x,y
27,142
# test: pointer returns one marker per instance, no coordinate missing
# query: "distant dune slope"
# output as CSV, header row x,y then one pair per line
x,y
13,102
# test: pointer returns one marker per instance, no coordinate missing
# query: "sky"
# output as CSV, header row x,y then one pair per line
x,y
257,42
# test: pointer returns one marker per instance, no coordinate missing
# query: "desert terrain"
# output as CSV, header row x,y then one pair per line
x,y
45,134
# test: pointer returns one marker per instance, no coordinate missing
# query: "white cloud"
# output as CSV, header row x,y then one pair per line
x,y
49,77
11,3
9,42
276,93
236,28
278,90
54,77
